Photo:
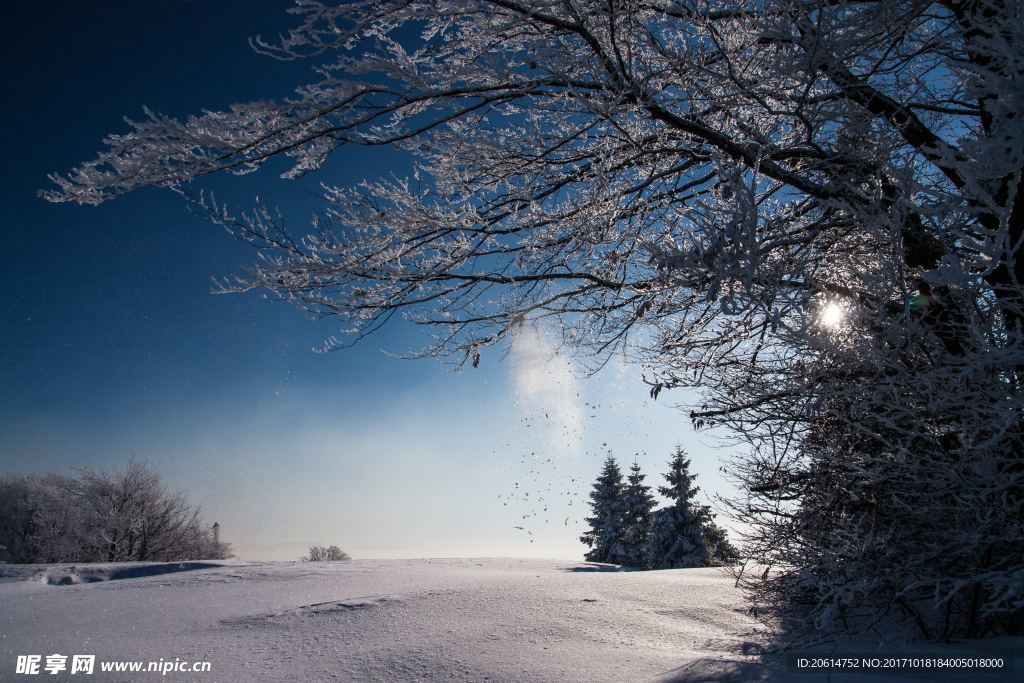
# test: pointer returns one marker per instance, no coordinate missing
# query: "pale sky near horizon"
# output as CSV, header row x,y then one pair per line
x,y
111,343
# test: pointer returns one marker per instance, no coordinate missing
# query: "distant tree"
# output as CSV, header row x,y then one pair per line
x,y
205,543
604,538
216,548
319,553
637,507
17,512
133,517
39,522
61,525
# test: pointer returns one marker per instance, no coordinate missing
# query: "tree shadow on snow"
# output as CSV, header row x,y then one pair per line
x,y
724,671
756,656
597,567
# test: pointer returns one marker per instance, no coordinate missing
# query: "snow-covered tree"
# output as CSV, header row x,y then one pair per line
x,y
17,519
637,507
39,520
811,210
676,537
605,535
133,516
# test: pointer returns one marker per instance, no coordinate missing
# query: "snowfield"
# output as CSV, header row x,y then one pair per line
x,y
469,619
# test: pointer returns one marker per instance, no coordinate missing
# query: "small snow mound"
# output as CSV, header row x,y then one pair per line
x,y
284,619
75,574
333,607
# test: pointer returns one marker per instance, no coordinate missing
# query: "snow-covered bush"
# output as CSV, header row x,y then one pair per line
x,y
319,553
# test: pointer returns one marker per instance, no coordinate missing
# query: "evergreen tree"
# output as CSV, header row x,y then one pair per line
x,y
721,549
677,532
605,535
637,507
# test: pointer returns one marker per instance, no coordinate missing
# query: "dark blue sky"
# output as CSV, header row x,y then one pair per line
x,y
111,343
103,303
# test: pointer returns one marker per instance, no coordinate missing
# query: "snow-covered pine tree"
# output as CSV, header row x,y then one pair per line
x,y
676,536
637,507
605,535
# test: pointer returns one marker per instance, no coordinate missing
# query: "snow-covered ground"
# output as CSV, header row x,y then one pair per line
x,y
486,619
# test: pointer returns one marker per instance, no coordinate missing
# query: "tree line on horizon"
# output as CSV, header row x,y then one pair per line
x,y
119,516
626,529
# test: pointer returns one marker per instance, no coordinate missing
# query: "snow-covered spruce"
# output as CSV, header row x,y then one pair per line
x,y
605,535
626,529
684,534
637,507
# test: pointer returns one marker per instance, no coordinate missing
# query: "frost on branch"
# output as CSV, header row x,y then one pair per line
x,y
692,182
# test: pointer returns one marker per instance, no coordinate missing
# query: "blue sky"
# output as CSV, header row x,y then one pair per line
x,y
111,342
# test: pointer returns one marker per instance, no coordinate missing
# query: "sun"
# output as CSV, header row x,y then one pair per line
x,y
831,315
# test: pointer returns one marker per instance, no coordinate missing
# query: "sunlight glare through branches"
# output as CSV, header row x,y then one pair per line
x,y
831,316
